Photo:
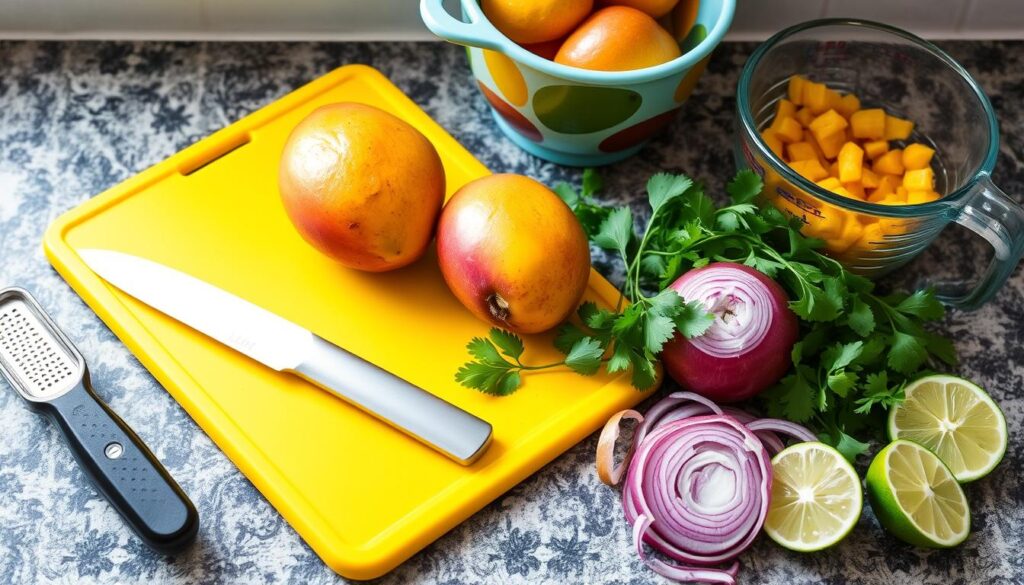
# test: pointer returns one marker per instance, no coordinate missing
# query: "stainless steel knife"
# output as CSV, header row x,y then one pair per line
x,y
286,347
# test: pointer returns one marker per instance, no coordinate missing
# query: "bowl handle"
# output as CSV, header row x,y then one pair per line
x,y
996,217
478,32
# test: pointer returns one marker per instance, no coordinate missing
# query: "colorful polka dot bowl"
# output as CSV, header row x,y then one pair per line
x,y
575,116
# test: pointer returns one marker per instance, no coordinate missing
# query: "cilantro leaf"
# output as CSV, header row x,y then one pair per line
x,y
658,328
592,182
693,320
841,355
907,353
841,382
644,374
744,187
566,193
663,187
568,335
485,352
922,304
791,398
585,356
616,231
860,318
619,360
848,446
509,343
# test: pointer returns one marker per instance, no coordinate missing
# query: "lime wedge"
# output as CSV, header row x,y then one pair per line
x,y
956,420
816,497
915,496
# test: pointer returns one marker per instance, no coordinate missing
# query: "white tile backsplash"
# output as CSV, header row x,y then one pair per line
x,y
922,17
1001,17
399,19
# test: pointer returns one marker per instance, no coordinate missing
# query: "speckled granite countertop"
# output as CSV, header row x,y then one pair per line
x,y
77,118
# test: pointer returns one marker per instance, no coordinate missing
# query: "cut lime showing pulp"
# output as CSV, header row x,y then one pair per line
x,y
816,497
915,496
956,420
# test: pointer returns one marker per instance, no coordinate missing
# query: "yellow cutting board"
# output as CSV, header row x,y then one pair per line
x,y
364,496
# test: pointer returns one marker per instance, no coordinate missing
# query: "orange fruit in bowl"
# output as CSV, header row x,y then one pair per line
x,y
362,186
618,38
536,21
656,8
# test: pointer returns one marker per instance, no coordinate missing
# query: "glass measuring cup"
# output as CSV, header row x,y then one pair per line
x,y
910,78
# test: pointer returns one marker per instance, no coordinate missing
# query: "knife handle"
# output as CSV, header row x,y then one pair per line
x,y
124,470
409,408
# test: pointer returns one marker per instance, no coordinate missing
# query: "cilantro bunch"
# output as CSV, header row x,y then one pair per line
x,y
857,350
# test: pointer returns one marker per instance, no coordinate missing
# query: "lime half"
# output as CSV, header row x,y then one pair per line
x,y
915,496
956,420
816,497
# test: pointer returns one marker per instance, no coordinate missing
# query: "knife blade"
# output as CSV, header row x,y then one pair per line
x,y
287,347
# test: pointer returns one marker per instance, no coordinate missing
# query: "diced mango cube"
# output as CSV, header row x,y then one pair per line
x,y
901,191
801,151
894,199
919,180
876,148
772,140
833,99
919,197
851,232
809,138
805,116
870,237
890,163
897,128
848,105
785,109
868,124
810,169
851,161
815,96
869,178
788,129
827,123
831,144
856,189
830,184
886,187
917,156
795,89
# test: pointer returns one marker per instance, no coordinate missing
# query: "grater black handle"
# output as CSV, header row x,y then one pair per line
x,y
124,470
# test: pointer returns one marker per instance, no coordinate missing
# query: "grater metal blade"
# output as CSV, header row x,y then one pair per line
x,y
36,358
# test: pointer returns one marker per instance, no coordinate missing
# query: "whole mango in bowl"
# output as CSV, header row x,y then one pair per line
x,y
513,253
362,186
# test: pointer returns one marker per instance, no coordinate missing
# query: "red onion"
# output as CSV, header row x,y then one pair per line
x,y
747,348
698,482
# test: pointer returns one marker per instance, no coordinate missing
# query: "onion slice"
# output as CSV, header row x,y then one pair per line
x,y
607,471
697,483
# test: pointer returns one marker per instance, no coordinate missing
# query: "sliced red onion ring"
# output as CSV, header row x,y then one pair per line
x,y
698,483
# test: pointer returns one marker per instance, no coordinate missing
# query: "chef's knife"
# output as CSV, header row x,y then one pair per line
x,y
286,347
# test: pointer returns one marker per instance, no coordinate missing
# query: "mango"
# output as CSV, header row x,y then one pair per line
x,y
851,161
513,253
917,156
868,124
897,128
362,186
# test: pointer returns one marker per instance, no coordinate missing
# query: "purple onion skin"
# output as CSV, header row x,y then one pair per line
x,y
732,379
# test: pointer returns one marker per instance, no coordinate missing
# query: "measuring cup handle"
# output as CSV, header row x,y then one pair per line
x,y
996,217
478,32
